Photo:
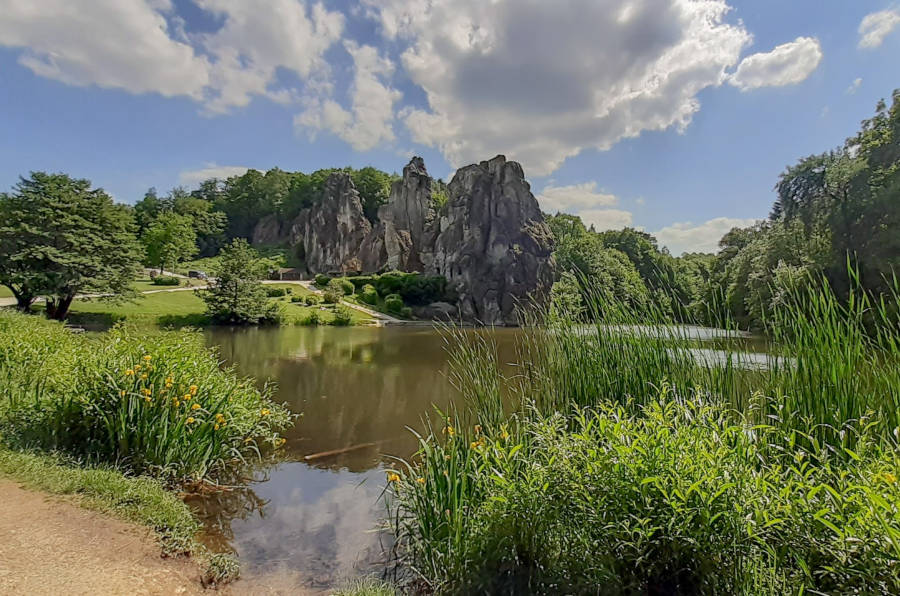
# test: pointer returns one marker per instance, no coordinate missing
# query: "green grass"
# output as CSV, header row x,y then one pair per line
x,y
185,309
5,292
676,476
156,403
366,587
146,284
142,500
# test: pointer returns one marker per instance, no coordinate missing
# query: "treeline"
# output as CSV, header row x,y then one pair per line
x,y
836,217
226,209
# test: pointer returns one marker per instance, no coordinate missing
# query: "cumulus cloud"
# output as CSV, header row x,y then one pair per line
x,y
876,26
587,202
541,81
854,86
211,170
689,237
119,44
130,45
787,64
369,121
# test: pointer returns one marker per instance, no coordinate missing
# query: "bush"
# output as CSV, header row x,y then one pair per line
x,y
275,292
296,299
157,404
311,300
165,280
369,294
312,319
322,280
347,286
334,292
342,317
393,303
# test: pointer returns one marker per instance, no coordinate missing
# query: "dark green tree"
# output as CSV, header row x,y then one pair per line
x,y
60,238
237,297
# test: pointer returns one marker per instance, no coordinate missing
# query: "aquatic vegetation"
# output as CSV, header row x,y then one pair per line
x,y
156,403
610,455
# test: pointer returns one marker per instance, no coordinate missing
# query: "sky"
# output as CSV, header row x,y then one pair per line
x,y
672,116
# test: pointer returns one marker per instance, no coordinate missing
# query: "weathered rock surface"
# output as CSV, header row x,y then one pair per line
x,y
332,232
489,240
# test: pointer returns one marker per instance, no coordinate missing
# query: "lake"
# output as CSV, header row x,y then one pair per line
x,y
311,518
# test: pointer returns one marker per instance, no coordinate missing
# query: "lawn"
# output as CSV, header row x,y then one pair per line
x,y
186,309
145,284
5,292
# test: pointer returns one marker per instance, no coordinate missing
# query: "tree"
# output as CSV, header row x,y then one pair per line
x,y
237,297
169,240
60,238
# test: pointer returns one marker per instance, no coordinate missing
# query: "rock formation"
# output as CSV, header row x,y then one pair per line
x,y
489,240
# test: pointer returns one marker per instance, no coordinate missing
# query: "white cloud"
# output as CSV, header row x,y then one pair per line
x,y
876,26
787,64
585,201
130,45
120,44
195,177
854,86
704,237
573,197
541,81
255,41
370,118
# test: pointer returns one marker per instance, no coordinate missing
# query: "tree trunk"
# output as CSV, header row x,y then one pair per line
x,y
24,300
58,308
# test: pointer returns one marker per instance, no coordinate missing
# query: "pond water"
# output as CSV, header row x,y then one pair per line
x,y
311,518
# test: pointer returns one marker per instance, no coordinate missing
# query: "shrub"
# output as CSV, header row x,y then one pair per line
x,y
296,299
334,292
165,280
369,294
342,317
310,299
322,280
275,292
312,319
157,404
347,286
406,312
393,303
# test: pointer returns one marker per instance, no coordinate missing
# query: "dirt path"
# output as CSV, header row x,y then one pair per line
x,y
51,546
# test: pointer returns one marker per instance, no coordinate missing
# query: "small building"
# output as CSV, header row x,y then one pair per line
x,y
289,274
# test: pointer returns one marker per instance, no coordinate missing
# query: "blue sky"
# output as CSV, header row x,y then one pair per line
x,y
675,116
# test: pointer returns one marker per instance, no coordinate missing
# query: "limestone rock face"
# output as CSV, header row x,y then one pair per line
x,y
270,231
332,231
490,241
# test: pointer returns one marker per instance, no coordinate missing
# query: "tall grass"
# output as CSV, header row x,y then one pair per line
x,y
156,403
611,459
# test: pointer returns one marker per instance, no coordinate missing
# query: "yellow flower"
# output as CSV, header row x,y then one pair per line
x,y
220,417
282,441
477,429
190,420
146,391
216,427
193,389
144,377
504,435
265,412
248,440
449,431
889,478
137,367
129,373
147,358
195,407
392,477
420,480
176,403
122,393
473,444
147,399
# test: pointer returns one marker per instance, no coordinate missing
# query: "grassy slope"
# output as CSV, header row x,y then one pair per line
x,y
5,292
184,308
140,500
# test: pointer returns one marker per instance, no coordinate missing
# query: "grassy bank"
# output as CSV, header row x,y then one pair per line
x,y
185,309
626,467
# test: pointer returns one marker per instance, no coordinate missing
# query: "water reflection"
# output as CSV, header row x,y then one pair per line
x,y
311,518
